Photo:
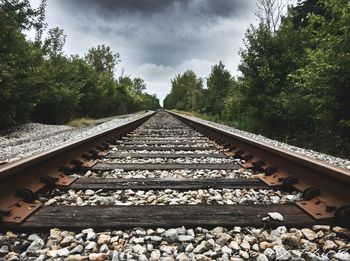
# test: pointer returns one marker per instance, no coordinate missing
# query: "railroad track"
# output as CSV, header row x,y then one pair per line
x,y
165,170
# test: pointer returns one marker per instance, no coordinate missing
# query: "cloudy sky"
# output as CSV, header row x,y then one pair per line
x,y
156,39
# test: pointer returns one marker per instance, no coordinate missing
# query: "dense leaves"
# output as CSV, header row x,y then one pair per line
x,y
294,82
39,82
186,92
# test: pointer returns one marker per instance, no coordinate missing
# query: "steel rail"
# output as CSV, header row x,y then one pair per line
x,y
21,180
326,188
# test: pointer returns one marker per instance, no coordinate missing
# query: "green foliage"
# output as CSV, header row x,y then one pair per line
x,y
53,44
219,83
102,58
19,62
294,82
186,92
39,82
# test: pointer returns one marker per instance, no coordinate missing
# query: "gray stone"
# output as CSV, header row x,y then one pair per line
x,y
217,231
115,255
33,237
291,240
77,250
171,235
202,247
67,241
156,238
181,231
4,249
104,248
185,238
270,253
281,253
37,244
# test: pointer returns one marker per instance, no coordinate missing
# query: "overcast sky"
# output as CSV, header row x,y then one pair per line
x,y
156,39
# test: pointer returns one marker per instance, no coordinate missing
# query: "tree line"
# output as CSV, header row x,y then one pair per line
x,y
39,82
293,83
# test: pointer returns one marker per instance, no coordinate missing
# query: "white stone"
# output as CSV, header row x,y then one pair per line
x,y
139,249
343,256
89,192
63,252
309,234
226,250
275,216
155,255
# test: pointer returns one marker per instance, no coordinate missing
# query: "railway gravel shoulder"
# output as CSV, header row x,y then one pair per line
x,y
336,161
13,148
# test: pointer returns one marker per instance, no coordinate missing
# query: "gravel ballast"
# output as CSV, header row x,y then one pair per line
x,y
168,160
179,174
168,197
182,244
33,138
339,162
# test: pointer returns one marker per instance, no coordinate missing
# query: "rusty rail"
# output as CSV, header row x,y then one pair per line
x,y
325,188
22,180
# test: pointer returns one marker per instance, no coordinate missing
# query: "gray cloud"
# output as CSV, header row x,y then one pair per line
x,y
116,8
156,38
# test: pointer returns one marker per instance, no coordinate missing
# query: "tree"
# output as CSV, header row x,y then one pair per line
x,y
19,60
53,44
219,83
324,81
269,12
102,59
139,85
186,92
40,25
